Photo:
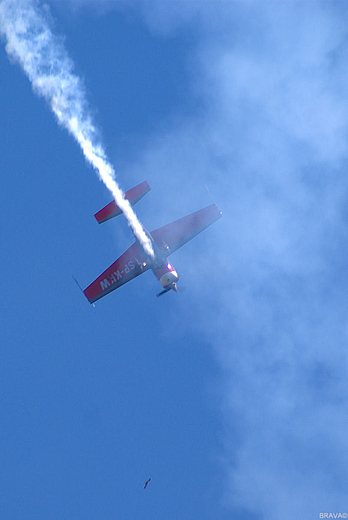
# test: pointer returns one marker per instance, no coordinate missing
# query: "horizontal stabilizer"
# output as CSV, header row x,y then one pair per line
x,y
133,196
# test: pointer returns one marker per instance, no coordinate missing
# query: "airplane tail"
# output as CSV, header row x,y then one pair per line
x,y
133,196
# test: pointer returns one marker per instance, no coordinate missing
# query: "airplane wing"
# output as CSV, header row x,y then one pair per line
x,y
172,236
128,266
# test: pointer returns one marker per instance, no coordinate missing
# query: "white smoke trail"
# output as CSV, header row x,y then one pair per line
x,y
42,56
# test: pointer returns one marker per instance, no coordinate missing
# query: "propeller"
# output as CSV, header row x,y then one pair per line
x,y
174,288
162,292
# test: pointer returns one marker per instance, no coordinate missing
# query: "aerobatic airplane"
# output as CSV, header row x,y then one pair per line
x,y
164,240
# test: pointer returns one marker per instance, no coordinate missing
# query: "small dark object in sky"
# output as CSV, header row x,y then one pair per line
x,y
146,483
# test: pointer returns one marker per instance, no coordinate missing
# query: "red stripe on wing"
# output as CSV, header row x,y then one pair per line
x,y
127,267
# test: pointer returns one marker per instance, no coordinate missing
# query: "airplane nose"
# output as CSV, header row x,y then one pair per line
x,y
169,278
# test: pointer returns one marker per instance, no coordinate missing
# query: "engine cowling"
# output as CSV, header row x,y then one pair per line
x,y
167,276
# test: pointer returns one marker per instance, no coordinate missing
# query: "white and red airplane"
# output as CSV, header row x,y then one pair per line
x,y
164,240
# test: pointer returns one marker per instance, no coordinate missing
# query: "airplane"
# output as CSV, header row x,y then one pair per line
x,y
147,483
165,240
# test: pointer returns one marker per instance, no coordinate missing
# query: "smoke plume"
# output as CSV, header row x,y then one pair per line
x,y
42,56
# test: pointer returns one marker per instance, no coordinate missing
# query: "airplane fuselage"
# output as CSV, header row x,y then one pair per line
x,y
163,270
167,276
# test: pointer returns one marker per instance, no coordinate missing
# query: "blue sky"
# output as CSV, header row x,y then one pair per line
x,y
231,396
